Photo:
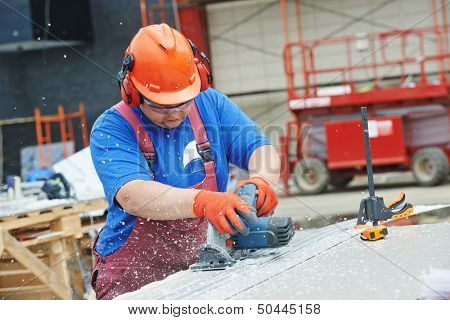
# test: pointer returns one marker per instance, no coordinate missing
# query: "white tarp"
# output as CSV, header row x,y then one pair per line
x,y
79,171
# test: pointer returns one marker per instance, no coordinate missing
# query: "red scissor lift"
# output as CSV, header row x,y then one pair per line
x,y
401,76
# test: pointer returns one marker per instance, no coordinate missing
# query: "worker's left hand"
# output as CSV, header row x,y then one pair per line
x,y
267,198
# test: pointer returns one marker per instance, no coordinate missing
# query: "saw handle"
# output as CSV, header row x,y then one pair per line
x,y
247,192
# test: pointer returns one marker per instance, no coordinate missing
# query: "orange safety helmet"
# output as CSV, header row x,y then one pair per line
x,y
163,66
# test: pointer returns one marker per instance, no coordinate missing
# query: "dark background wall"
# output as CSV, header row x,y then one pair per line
x,y
45,78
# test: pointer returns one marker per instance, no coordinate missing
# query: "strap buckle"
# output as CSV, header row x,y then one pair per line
x,y
205,152
151,159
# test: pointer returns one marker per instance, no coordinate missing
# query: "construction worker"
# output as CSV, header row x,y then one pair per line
x,y
162,155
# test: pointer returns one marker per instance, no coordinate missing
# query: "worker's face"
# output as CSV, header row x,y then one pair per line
x,y
166,116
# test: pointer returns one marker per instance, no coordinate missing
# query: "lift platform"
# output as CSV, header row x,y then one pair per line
x,y
401,76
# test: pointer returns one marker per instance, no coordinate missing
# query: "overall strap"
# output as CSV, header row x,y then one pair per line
x,y
203,146
145,143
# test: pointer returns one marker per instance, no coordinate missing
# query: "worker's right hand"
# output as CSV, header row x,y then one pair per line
x,y
226,211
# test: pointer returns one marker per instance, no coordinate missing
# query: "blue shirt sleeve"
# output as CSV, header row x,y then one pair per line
x,y
240,134
115,153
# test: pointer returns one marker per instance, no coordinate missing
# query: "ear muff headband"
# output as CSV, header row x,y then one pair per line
x,y
205,71
128,91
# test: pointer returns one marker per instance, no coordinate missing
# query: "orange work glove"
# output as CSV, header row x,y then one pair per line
x,y
226,211
267,198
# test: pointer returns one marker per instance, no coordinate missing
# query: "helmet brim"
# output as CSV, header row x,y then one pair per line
x,y
172,97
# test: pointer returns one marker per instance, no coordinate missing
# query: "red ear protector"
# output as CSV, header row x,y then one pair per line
x,y
132,97
128,91
205,71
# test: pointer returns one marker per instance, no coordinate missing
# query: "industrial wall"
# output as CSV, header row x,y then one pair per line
x,y
246,40
66,76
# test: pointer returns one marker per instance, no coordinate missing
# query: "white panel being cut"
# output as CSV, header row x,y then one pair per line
x,y
325,263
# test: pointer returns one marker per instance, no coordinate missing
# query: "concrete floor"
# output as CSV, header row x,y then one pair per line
x,y
322,209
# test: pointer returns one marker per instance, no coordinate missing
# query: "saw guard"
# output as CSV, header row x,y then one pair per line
x,y
212,257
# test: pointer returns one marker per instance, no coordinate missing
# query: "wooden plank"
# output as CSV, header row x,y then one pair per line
x,y
2,246
58,260
29,221
96,204
9,218
26,288
6,256
42,294
54,236
19,280
27,259
54,214
88,205
41,210
6,273
92,227
76,277
5,122
33,214
59,252
68,225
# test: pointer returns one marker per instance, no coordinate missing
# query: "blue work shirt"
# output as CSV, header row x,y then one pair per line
x,y
118,160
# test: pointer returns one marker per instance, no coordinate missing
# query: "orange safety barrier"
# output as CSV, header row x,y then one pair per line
x,y
44,136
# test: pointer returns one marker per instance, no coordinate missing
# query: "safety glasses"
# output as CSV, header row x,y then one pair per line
x,y
166,109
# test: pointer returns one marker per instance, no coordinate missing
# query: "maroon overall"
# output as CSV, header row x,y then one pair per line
x,y
154,249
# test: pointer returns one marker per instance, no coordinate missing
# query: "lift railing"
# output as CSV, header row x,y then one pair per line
x,y
411,56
